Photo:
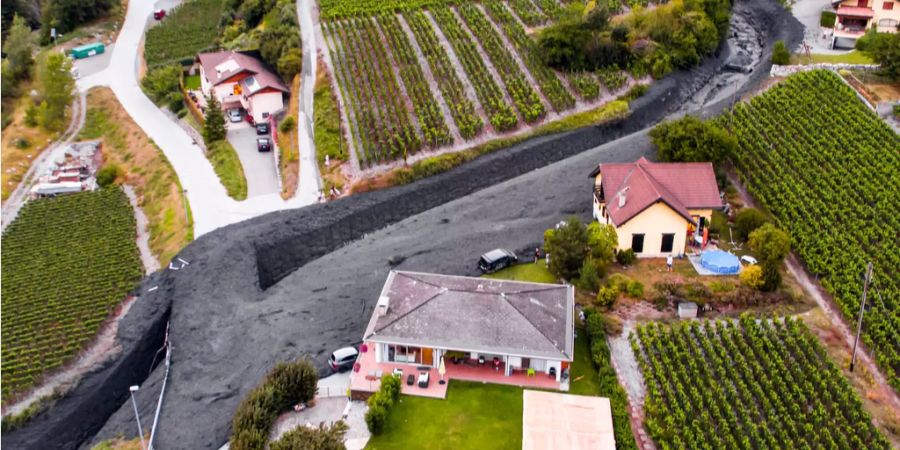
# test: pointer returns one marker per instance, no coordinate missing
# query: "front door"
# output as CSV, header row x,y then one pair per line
x,y
427,356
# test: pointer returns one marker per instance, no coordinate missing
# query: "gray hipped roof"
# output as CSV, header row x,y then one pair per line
x,y
476,314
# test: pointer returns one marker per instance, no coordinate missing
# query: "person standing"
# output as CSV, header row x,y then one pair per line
x,y
537,254
669,262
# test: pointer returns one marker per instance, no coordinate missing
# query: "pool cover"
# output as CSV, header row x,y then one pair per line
x,y
719,261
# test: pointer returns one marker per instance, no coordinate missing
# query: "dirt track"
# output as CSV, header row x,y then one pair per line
x,y
226,331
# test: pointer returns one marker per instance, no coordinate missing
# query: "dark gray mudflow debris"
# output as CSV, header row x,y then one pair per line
x,y
303,282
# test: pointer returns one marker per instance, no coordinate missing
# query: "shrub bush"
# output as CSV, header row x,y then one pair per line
x,y
635,289
108,174
606,297
381,402
827,19
309,438
589,275
780,54
752,277
625,257
618,282
748,220
287,384
287,124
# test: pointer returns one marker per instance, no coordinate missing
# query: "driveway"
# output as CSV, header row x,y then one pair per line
x,y
94,64
259,168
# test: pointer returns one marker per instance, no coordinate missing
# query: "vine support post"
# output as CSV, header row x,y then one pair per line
x,y
862,309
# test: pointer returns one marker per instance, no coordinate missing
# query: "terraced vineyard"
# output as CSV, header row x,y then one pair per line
x,y
477,59
747,385
189,29
66,263
829,170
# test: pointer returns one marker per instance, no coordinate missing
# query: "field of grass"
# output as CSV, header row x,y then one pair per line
x,y
225,162
853,57
474,416
584,378
187,30
66,263
192,82
526,271
752,384
20,143
327,134
145,167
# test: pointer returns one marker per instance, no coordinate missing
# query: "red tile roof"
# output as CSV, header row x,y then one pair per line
x,y
681,186
263,77
855,11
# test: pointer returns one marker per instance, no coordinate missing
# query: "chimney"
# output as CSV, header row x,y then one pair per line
x,y
382,306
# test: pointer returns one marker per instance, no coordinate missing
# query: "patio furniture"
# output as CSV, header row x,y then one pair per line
x,y
530,372
398,372
496,364
552,372
480,360
379,373
410,380
371,375
423,379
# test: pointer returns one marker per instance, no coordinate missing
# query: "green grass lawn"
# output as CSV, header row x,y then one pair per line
x,y
583,377
192,82
526,271
227,165
854,57
473,416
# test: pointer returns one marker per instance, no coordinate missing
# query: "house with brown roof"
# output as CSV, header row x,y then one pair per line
x,y
488,330
240,80
656,208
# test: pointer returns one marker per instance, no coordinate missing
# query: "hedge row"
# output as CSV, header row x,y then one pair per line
x,y
609,384
381,402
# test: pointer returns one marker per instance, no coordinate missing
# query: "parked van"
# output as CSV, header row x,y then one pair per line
x,y
497,259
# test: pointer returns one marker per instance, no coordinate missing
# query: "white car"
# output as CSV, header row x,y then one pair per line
x,y
749,260
234,115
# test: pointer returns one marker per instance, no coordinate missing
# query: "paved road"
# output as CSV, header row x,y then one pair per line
x,y
808,12
259,168
211,206
310,183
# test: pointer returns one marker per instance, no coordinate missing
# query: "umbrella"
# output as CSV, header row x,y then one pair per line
x,y
442,369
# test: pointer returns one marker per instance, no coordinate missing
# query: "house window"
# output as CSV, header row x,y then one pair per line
x,y
265,115
637,242
862,3
888,6
668,239
404,354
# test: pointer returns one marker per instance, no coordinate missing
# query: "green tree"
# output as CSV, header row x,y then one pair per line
x,y
65,15
56,90
214,120
747,220
770,245
318,438
780,54
108,175
290,63
19,48
603,242
160,82
690,139
568,247
884,48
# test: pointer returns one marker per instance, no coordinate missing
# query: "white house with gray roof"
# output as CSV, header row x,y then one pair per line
x,y
511,328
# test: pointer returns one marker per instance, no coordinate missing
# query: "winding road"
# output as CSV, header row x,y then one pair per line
x,y
211,206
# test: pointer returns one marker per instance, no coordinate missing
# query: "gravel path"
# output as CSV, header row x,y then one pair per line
x,y
151,264
629,374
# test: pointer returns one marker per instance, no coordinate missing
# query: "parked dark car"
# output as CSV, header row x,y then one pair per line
x,y
159,14
264,144
262,128
497,259
342,359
